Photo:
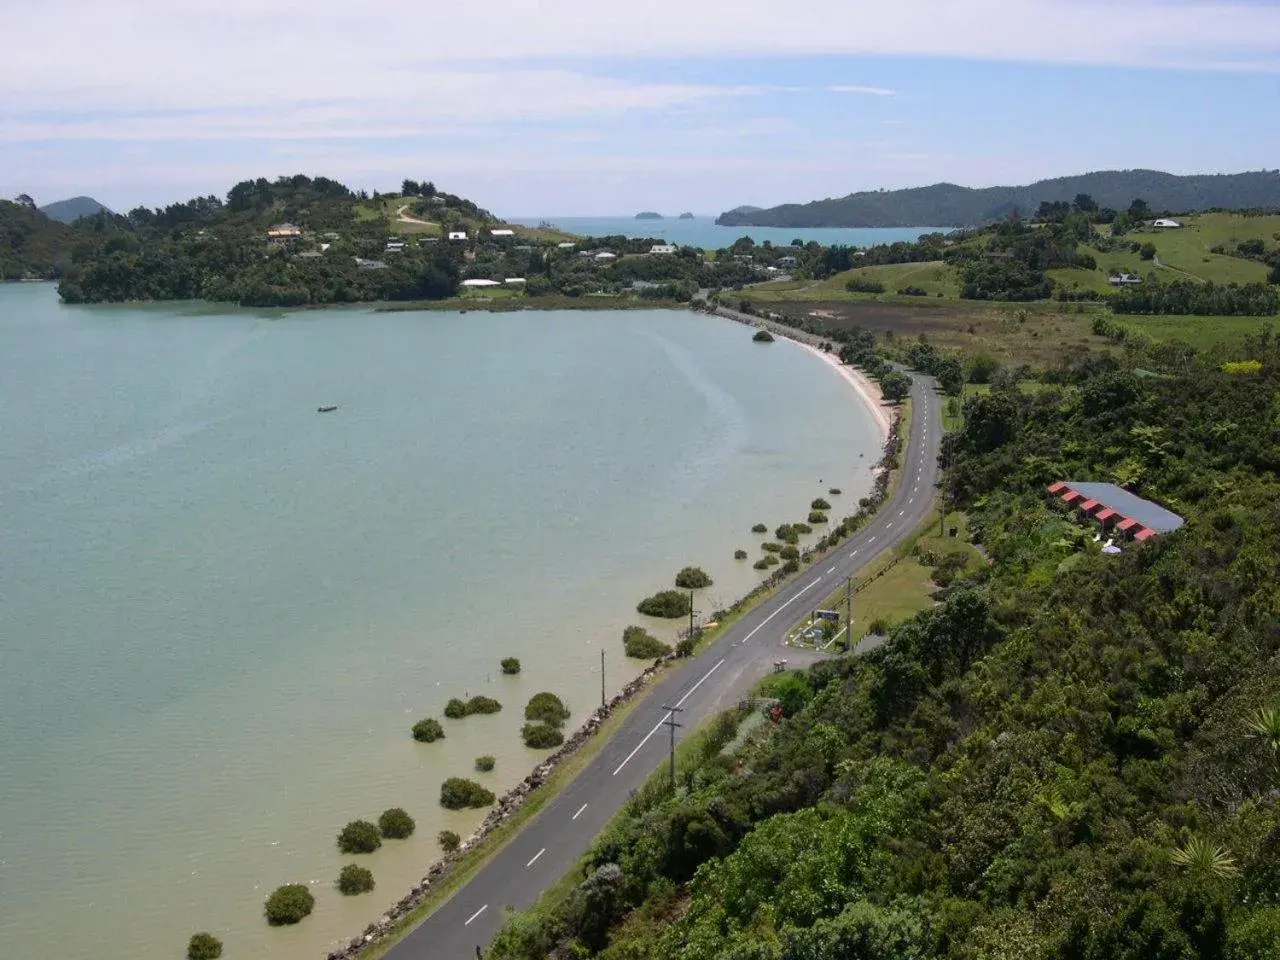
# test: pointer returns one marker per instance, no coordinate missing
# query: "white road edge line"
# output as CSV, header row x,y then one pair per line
x,y
535,858
579,813
476,914
705,676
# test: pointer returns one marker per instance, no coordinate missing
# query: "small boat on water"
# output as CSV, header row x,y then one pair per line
x,y
327,409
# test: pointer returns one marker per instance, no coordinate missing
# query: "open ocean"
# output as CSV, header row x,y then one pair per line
x,y
221,612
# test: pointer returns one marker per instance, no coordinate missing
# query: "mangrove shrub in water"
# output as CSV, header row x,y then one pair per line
x,y
354,880
834,491
771,547
289,904
692,578
670,604
510,666
395,824
817,516
787,533
541,736
759,528
762,563
642,645
739,554
428,730
459,794
789,553
359,836
763,336
456,709
546,708
448,840
485,763
204,946
819,504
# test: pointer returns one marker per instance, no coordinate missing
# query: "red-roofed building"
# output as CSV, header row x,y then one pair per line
x,y
1087,508
1144,534
1070,497
1114,508
1057,488
1106,516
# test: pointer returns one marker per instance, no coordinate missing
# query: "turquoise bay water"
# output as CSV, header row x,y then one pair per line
x,y
220,611
703,232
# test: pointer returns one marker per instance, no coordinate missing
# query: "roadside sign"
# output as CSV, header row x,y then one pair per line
x,y
831,615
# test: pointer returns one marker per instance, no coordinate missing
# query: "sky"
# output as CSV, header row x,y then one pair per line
x,y
587,107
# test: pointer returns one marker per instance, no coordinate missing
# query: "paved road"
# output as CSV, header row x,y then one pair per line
x,y
550,844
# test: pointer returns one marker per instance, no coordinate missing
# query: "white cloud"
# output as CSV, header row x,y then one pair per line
x,y
870,91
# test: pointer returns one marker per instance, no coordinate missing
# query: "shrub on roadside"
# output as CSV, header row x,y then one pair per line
x,y
448,840
541,736
668,604
546,708
428,730
789,553
359,836
204,946
684,648
485,763
791,566
692,578
510,666
354,880
395,824
878,626
457,793
640,644
289,904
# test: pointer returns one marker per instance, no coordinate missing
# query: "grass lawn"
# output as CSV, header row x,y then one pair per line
x,y
1199,332
933,277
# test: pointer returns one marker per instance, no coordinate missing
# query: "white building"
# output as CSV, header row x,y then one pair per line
x,y
515,281
662,249
480,284
457,235
284,233
1124,280
567,245
502,233
604,256
1164,223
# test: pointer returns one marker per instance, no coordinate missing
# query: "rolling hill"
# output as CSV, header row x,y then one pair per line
x,y
68,211
950,205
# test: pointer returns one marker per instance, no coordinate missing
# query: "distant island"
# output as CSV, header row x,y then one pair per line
x,y
69,211
950,205
648,215
685,216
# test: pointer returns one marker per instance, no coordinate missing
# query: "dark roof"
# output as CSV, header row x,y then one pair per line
x,y
1150,515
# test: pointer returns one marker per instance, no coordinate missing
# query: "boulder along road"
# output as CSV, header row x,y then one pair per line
x,y
720,675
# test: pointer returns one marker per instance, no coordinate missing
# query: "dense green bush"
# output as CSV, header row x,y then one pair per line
x,y
787,533
789,553
770,547
204,946
396,824
817,516
759,528
685,647
510,666
428,730
878,626
834,491
481,704
864,285
739,554
640,644
455,709
693,578
354,880
762,563
819,504
801,528
668,604
359,836
448,840
790,567
541,736
763,336
289,904
457,793
771,560
546,708
485,763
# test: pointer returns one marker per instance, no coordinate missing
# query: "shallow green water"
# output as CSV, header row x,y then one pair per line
x,y
220,611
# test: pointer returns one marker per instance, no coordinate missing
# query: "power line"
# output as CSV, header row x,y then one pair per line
x,y
671,724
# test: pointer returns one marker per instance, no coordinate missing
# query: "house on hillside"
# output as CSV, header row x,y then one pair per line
x,y
662,249
787,262
479,284
1124,280
502,233
1114,509
457,235
515,281
566,245
604,256
1164,223
283,233
364,264
395,246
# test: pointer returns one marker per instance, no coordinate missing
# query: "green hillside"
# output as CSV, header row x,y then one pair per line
x,y
950,205
68,211
31,245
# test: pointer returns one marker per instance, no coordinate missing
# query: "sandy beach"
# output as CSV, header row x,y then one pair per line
x,y
864,386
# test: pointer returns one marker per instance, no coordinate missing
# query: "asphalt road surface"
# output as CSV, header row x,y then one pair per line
x,y
723,673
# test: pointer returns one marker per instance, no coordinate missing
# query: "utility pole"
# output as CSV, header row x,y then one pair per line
x,y
671,724
602,677
690,614
848,615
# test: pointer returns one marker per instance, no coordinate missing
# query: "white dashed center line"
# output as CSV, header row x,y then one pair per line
x,y
476,914
535,858
579,813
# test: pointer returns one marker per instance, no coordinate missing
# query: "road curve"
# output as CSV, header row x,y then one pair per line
x,y
549,844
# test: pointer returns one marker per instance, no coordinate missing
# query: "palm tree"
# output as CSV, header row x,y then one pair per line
x,y
1199,856
1264,725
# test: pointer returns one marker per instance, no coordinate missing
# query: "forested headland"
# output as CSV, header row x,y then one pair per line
x,y
1070,755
